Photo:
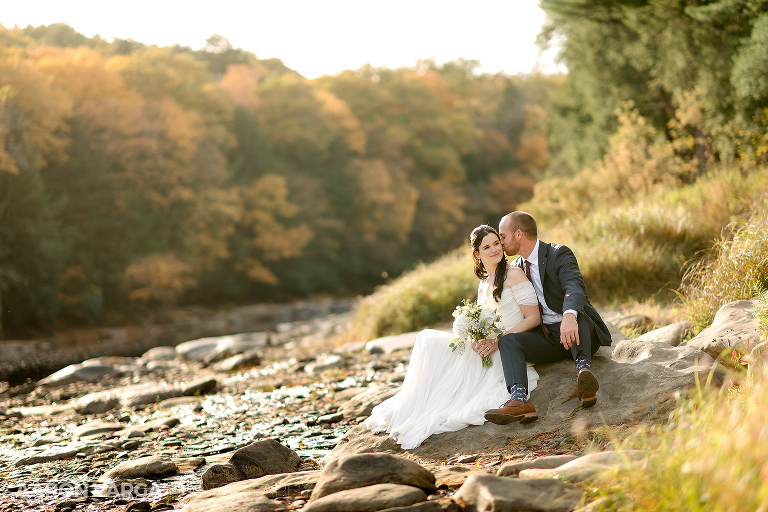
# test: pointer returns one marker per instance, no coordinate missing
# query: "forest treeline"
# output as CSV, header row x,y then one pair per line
x,y
134,177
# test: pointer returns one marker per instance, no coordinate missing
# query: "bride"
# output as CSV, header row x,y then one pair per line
x,y
445,391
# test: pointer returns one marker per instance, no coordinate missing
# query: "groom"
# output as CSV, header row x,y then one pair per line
x,y
570,327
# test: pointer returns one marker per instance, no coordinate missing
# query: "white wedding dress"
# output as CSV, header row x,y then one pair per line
x,y
445,391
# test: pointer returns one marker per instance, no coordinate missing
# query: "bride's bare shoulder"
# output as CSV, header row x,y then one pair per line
x,y
515,275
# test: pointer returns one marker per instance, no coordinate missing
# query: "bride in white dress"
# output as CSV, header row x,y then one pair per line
x,y
445,391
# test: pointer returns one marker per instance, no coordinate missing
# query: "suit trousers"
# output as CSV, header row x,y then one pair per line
x,y
532,346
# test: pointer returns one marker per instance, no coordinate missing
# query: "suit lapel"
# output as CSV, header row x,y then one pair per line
x,y
543,253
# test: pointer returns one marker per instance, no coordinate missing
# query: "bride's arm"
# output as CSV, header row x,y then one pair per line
x,y
531,313
531,320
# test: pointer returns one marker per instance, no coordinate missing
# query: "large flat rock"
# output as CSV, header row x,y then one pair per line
x,y
637,383
733,327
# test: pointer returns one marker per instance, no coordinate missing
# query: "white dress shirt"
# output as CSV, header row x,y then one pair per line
x,y
548,316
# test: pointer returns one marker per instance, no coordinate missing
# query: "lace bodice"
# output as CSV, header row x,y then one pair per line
x,y
511,299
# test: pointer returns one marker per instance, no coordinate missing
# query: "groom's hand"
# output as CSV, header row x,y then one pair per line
x,y
569,331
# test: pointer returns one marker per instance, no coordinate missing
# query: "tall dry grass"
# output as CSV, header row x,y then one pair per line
x,y
712,455
425,296
736,269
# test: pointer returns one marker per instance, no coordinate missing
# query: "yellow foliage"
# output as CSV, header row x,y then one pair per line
x,y
157,279
241,82
386,201
26,92
82,73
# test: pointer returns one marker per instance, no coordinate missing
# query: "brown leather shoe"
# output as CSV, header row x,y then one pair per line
x,y
586,388
512,411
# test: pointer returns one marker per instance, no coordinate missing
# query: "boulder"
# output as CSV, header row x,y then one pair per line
x,y
388,344
424,506
155,466
513,468
500,494
733,327
363,403
585,469
80,372
368,499
214,349
244,360
325,362
362,470
220,474
671,334
638,381
265,457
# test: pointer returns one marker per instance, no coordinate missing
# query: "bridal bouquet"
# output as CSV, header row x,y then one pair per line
x,y
474,323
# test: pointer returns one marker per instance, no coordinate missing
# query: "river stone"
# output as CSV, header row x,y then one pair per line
x,y
638,381
424,506
211,350
345,394
265,457
388,344
585,468
363,403
513,468
362,470
733,326
500,494
238,502
67,451
78,373
347,349
632,322
129,397
280,484
96,427
325,362
154,466
159,354
220,474
368,499
671,334
244,360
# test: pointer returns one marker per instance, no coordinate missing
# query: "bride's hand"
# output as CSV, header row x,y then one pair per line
x,y
485,347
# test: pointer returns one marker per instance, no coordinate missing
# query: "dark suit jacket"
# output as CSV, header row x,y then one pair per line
x,y
563,285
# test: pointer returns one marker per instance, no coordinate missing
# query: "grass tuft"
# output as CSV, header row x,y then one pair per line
x,y
711,455
425,296
735,269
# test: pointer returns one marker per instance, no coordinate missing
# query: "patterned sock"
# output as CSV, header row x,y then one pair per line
x,y
582,363
518,392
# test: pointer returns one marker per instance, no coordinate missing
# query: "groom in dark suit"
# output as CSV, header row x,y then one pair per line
x,y
570,327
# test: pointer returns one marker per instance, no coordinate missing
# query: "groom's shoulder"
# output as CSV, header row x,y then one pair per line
x,y
558,249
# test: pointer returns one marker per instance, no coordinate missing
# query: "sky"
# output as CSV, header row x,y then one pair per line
x,y
317,37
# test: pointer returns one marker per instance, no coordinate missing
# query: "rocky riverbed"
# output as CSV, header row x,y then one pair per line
x,y
262,419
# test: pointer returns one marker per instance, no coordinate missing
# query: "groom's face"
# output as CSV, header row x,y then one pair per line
x,y
508,240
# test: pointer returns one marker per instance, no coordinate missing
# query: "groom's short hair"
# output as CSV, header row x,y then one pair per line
x,y
523,221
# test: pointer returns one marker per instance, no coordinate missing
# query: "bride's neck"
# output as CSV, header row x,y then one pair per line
x,y
491,269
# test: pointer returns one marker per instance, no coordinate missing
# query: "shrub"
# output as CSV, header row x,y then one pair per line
x,y
733,271
424,296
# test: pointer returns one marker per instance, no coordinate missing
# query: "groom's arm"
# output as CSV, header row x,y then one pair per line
x,y
571,280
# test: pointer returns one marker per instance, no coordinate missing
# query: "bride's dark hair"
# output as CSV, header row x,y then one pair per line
x,y
475,239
